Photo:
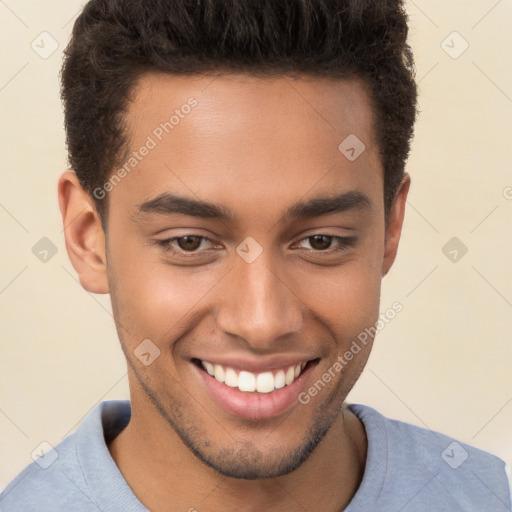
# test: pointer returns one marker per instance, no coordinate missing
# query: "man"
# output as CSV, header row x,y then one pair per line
x,y
238,188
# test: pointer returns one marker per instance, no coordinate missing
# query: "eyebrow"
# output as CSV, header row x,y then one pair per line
x,y
168,204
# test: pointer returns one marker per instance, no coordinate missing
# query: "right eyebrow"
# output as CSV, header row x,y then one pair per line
x,y
168,203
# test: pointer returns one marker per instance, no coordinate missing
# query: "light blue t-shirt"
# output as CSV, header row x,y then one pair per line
x,y
408,469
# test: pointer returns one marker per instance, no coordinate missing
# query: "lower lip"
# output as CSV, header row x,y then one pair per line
x,y
254,406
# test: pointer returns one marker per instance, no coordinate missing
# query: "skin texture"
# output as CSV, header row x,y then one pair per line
x,y
256,146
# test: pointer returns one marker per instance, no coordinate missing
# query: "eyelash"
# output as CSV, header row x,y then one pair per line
x,y
344,243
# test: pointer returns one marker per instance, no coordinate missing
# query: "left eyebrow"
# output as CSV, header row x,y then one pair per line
x,y
316,207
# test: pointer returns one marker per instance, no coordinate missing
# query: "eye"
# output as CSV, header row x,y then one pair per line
x,y
192,244
184,244
320,242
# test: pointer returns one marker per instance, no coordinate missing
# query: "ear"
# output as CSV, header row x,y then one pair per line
x,y
85,239
394,225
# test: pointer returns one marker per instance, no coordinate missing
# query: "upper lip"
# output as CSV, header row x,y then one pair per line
x,y
261,364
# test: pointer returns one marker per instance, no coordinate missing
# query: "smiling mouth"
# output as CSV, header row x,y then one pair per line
x,y
252,382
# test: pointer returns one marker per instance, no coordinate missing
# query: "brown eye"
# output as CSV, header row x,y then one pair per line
x,y
320,242
189,242
181,245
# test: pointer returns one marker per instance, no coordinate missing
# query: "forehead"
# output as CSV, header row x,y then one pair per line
x,y
262,103
240,138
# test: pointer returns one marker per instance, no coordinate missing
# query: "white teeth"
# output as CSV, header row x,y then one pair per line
x,y
290,375
264,382
219,372
231,378
246,381
279,381
209,367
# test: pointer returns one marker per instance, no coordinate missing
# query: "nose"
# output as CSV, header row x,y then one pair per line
x,y
260,306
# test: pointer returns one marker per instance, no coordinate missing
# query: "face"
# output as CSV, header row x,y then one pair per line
x,y
246,244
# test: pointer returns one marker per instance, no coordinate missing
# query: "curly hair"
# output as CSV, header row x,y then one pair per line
x,y
115,41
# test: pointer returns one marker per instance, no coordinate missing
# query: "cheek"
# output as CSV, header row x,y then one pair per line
x,y
349,301
153,299
347,297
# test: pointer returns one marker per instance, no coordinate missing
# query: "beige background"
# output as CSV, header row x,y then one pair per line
x,y
442,363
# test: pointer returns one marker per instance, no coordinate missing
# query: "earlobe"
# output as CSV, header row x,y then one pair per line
x,y
83,232
394,225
